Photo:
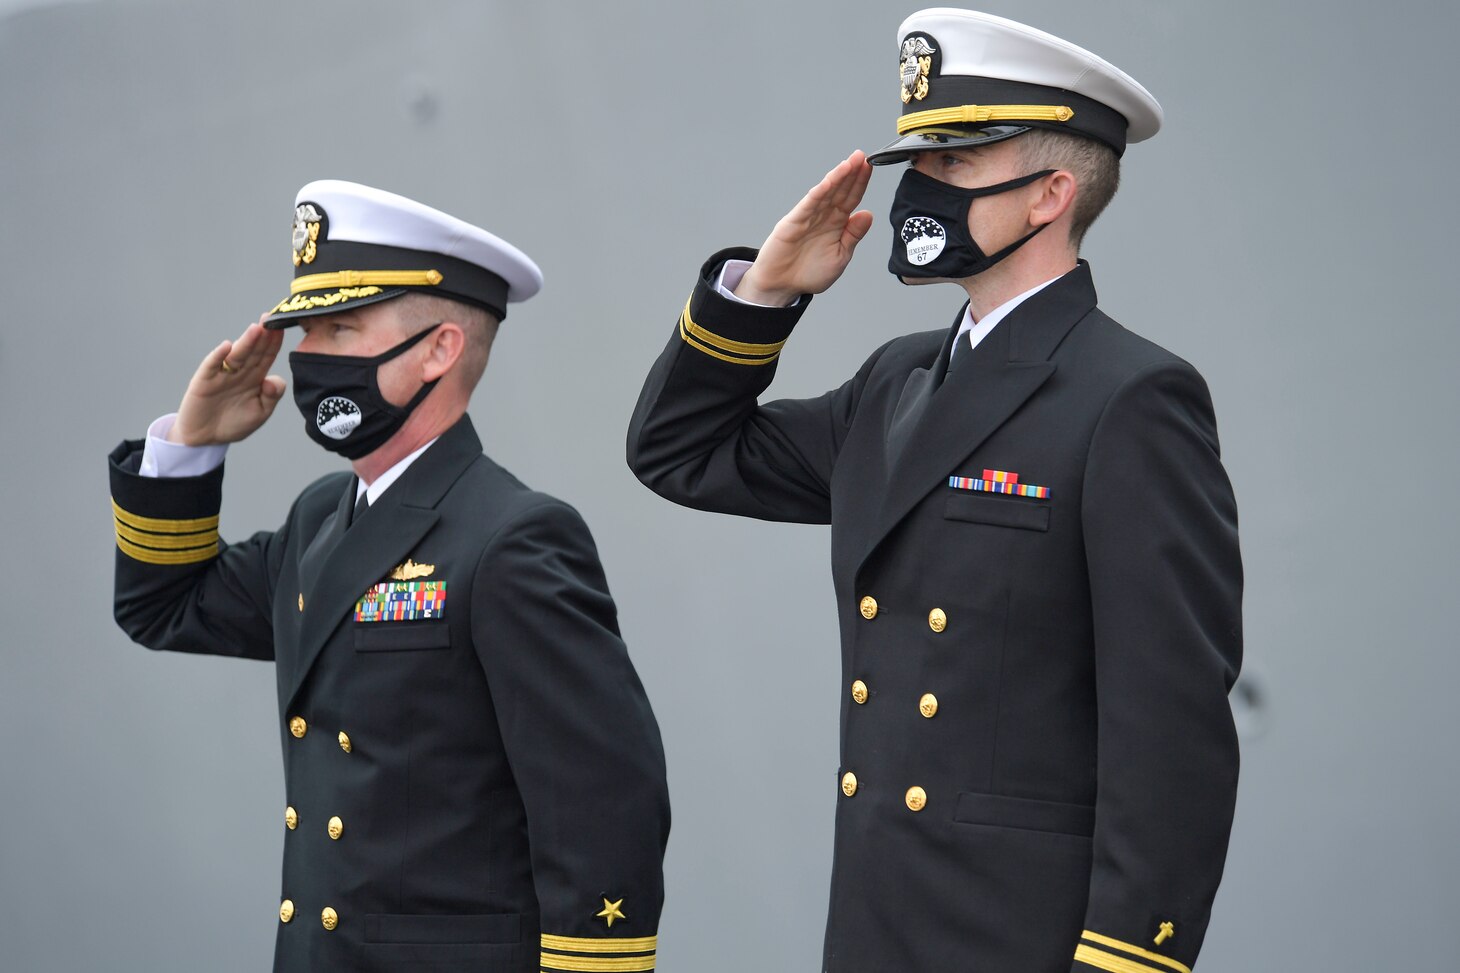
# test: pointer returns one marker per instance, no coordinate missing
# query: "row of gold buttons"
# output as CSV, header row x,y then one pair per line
x,y
916,798
937,618
335,827
298,727
328,917
927,705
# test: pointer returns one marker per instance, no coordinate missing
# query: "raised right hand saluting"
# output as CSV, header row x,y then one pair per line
x,y
812,244
232,393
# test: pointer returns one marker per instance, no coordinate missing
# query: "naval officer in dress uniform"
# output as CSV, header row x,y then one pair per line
x,y
1033,542
475,780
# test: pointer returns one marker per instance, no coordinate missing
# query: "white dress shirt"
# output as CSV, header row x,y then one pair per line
x,y
734,270
979,330
162,459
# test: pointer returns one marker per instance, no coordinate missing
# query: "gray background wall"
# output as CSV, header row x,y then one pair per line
x,y
1291,232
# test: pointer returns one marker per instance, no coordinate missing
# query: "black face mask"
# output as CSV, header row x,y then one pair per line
x,y
930,227
339,396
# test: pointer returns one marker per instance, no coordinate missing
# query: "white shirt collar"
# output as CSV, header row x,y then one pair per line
x,y
384,480
980,330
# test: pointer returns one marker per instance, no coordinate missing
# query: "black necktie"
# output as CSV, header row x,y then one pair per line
x,y
959,354
362,504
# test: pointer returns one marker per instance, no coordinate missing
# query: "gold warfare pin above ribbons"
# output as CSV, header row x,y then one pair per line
x,y
410,570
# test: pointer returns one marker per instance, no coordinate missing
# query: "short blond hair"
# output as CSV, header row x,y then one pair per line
x,y
419,311
1094,165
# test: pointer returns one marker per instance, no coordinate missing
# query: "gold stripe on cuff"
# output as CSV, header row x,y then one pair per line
x,y
726,344
720,355
597,964
148,555
158,525
167,542
574,944
1145,954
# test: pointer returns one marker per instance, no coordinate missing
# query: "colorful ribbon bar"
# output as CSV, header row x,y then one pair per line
x,y
988,485
402,601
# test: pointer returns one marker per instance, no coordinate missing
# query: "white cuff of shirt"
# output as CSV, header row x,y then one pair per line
x,y
161,458
729,278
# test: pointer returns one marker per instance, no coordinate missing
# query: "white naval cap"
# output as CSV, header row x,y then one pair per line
x,y
355,245
970,77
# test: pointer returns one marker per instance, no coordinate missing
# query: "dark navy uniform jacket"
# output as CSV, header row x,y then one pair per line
x,y
476,781
1038,760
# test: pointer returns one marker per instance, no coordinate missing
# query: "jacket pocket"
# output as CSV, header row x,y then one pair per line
x,y
978,508
996,810
401,636
499,927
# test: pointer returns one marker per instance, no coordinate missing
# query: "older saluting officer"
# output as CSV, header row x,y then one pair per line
x,y
1033,542
475,780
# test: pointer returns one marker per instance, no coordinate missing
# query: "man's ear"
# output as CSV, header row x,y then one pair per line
x,y
1055,199
444,348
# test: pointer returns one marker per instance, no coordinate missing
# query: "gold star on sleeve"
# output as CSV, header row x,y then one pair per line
x,y
611,911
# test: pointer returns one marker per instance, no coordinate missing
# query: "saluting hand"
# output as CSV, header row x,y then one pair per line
x,y
812,244
232,393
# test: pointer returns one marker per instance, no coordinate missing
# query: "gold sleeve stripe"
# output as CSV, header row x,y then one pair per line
x,y
148,555
1102,960
687,323
1152,960
366,278
158,525
963,114
1145,954
596,964
167,542
571,944
720,355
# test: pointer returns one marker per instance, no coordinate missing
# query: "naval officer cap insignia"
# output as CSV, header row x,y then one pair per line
x,y
970,78
354,245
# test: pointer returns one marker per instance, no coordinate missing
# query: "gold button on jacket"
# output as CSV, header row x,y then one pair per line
x,y
869,607
928,705
849,783
859,692
345,744
286,910
329,918
917,798
335,828
298,727
937,620
291,818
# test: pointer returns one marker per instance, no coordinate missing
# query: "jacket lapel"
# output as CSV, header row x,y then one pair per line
x,y
873,448
954,417
917,395
340,565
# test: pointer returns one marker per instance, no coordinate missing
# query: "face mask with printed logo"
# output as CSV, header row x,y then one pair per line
x,y
339,397
930,228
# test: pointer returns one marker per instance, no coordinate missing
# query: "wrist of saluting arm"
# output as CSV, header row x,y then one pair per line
x,y
723,326
162,458
729,277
